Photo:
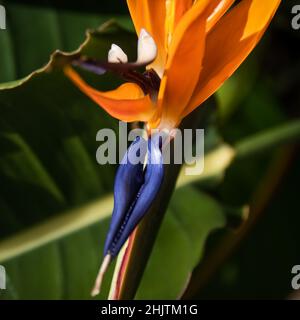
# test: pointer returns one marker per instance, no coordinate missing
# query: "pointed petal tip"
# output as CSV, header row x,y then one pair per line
x,y
144,33
147,48
95,292
117,55
103,268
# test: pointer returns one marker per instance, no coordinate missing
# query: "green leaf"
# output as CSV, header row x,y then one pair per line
x,y
192,216
198,214
47,159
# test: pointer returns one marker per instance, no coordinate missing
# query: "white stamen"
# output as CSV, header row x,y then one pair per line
x,y
117,55
147,49
99,279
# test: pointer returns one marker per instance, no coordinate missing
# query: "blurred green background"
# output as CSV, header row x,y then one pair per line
x,y
48,166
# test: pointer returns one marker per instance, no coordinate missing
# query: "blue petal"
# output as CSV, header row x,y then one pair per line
x,y
131,206
128,181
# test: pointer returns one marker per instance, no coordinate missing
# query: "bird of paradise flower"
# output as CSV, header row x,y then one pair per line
x,y
188,48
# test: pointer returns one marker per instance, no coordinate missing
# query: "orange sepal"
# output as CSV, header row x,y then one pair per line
x,y
228,45
127,103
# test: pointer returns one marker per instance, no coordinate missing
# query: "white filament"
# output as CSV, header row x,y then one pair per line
x,y
146,52
147,49
117,55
